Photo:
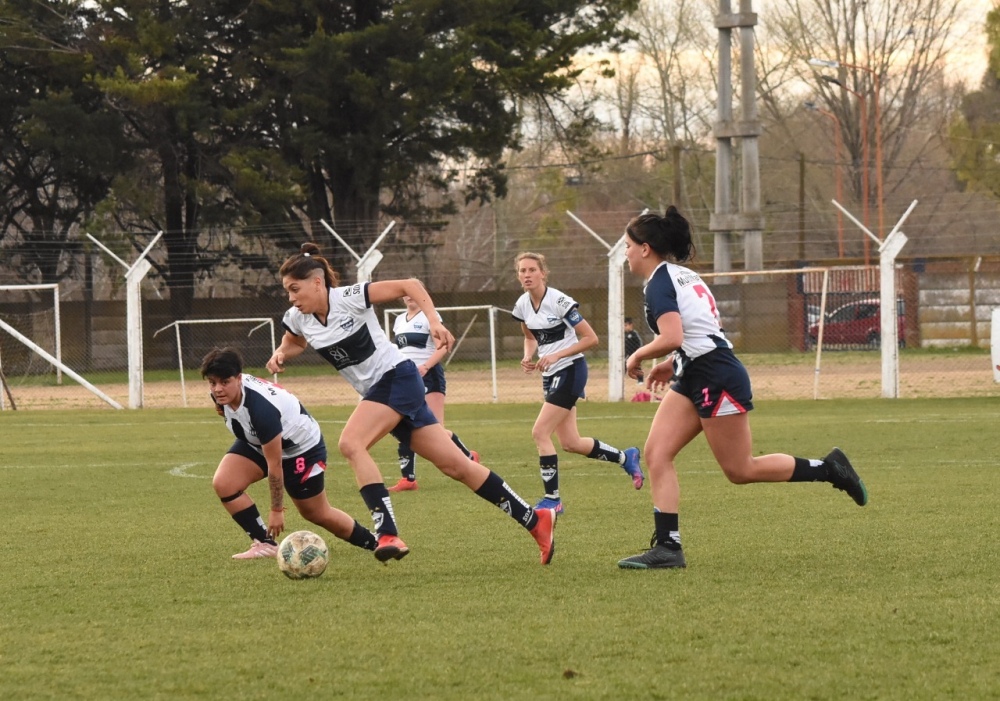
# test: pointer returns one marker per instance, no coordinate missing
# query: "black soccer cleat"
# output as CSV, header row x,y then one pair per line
x,y
843,477
658,556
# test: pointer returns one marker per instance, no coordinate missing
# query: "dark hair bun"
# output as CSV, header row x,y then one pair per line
x,y
310,248
671,211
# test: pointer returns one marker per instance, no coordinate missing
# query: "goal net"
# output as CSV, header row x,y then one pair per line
x,y
471,367
32,310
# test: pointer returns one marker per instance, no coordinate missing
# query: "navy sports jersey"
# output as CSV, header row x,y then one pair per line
x,y
673,288
351,339
267,411
552,324
413,337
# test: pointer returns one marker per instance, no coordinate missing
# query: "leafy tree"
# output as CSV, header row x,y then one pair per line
x,y
59,146
372,99
975,136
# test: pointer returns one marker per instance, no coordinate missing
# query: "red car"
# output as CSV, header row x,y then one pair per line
x,y
858,323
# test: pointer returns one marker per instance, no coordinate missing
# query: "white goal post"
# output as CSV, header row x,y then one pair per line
x,y
58,324
491,312
260,321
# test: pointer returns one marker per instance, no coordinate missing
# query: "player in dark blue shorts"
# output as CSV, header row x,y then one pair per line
x,y
340,324
554,329
710,393
278,439
412,332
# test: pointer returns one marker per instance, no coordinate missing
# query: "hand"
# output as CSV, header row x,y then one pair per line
x,y
660,376
443,338
527,365
546,362
275,523
277,362
633,367
422,369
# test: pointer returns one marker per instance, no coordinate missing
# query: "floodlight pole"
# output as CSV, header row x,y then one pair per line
x,y
133,317
888,249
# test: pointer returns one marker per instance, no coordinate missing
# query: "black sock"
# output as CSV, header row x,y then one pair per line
x,y
377,500
461,446
808,471
407,462
549,467
496,492
667,530
362,537
608,453
250,521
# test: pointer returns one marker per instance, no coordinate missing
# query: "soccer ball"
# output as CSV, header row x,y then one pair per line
x,y
302,555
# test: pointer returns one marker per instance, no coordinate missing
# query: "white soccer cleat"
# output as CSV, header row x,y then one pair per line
x,y
257,550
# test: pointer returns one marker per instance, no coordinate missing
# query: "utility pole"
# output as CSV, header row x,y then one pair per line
x,y
745,216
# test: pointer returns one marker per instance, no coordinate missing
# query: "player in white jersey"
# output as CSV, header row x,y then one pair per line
x,y
340,324
277,438
710,392
413,337
554,328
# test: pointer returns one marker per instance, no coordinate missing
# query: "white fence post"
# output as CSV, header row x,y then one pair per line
x,y
133,317
888,250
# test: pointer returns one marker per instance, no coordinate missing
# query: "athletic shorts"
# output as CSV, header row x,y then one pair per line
x,y
565,387
303,473
717,384
434,380
402,389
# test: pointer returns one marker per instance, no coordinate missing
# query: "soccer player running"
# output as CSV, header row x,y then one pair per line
x,y
412,332
554,328
710,391
340,324
277,438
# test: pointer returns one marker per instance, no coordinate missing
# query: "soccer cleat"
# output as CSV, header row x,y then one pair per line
x,y
844,478
544,533
404,485
554,504
390,547
257,550
633,467
474,456
657,557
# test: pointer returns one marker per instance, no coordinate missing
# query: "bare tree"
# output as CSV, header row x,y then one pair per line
x,y
879,67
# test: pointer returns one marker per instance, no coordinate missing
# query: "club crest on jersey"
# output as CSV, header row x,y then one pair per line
x,y
338,355
552,319
347,325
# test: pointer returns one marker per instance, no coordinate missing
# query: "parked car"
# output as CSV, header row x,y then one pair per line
x,y
858,323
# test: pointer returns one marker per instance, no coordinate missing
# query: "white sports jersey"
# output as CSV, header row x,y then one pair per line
x,y
552,324
673,288
268,410
351,339
413,336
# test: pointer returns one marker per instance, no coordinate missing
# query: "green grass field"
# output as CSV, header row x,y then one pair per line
x,y
117,581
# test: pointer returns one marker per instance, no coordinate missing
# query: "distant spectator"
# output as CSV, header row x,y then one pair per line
x,y
633,342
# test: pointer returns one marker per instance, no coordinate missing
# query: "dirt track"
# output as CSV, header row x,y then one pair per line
x,y
919,378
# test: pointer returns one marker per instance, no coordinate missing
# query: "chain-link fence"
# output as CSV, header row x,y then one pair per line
x,y
944,307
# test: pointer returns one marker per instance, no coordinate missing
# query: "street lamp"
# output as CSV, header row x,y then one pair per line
x,y
878,131
838,147
866,156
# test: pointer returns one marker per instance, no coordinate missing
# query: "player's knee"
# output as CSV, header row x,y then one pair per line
x,y
737,474
350,448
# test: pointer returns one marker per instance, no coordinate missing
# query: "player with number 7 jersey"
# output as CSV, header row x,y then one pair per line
x,y
709,390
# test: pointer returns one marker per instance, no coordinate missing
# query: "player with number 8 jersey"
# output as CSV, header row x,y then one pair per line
x,y
710,391
278,439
